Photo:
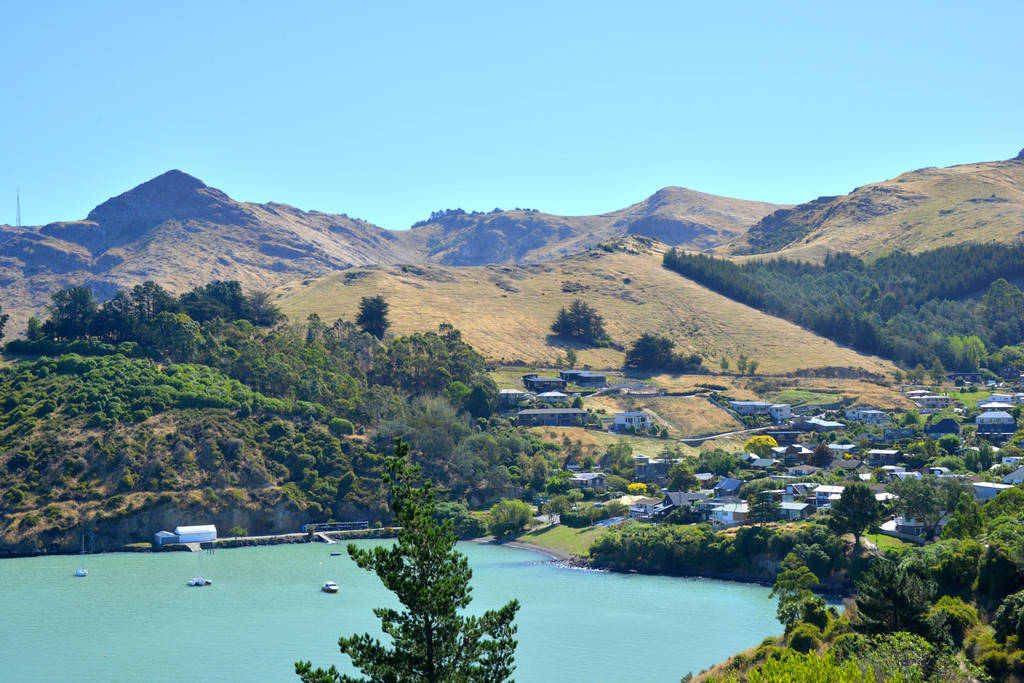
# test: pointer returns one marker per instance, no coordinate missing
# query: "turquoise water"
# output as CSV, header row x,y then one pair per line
x,y
135,619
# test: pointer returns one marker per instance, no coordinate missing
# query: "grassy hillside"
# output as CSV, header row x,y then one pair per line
x,y
917,211
505,312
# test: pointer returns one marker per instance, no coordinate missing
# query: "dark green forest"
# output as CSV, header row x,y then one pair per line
x,y
953,304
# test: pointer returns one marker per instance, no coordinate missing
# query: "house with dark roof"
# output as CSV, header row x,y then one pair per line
x,y
946,425
539,384
727,487
553,417
583,378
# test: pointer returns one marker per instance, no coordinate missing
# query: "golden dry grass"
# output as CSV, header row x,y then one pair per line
x,y
982,202
505,312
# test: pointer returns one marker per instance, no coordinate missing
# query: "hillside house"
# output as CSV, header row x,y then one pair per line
x,y
780,411
894,434
867,414
648,470
878,457
727,487
508,398
817,424
540,384
986,490
802,470
795,510
589,480
583,378
750,407
825,495
638,420
797,492
674,500
967,377
946,425
553,417
1015,477
729,514
933,403
996,426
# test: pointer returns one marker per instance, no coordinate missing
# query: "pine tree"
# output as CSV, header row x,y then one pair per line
x,y
431,641
890,599
373,315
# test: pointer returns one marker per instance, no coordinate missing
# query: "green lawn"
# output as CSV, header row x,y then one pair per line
x,y
566,539
884,542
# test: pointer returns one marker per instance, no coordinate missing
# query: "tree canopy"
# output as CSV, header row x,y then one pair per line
x,y
373,315
581,322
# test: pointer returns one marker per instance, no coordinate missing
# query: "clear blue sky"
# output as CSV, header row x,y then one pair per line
x,y
389,110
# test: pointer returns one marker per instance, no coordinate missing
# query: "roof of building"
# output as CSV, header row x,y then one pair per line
x,y
197,529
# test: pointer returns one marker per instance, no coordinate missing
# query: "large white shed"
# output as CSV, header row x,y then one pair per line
x,y
196,534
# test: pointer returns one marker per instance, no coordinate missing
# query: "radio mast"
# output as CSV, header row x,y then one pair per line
x,y
18,219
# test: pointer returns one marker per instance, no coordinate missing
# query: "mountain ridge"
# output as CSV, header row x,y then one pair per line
x,y
180,232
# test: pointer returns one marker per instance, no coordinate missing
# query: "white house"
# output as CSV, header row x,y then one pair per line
x,y
933,402
996,417
638,420
825,495
196,534
750,407
780,411
867,414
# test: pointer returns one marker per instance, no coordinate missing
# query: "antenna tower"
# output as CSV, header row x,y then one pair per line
x,y
19,208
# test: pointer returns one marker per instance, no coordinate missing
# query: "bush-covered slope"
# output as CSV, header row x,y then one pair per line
x,y
87,441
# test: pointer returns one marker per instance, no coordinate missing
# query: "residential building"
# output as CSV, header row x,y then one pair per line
x,y
538,384
638,420
933,402
986,490
589,480
867,414
750,407
553,417
583,378
1015,477
878,457
825,495
780,411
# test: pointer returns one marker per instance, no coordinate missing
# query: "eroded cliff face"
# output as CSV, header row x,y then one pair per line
x,y
260,513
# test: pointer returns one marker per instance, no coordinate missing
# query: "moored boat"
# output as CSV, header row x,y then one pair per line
x,y
329,587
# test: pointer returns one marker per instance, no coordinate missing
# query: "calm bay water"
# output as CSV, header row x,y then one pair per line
x,y
135,619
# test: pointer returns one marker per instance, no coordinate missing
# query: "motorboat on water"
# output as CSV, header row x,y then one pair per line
x,y
336,554
329,587
199,581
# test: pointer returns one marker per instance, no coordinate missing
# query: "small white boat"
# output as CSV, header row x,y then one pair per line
x,y
199,581
329,587
81,570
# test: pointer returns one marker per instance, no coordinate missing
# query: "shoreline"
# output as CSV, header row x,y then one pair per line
x,y
555,555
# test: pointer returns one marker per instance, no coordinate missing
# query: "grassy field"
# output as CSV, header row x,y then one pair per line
x,y
505,312
566,539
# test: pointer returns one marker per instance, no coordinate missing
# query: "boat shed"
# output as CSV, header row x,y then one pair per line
x,y
164,538
196,534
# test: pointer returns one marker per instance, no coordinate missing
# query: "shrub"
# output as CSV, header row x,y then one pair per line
x,y
805,638
341,426
238,532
